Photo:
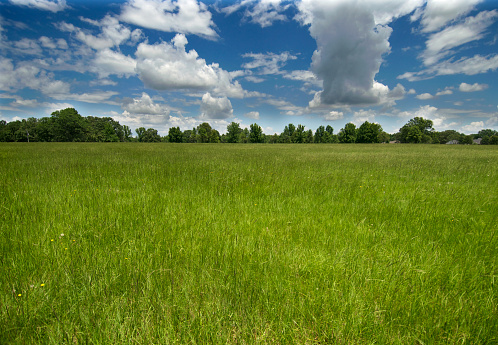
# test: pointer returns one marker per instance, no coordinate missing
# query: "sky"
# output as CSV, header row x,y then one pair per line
x,y
168,63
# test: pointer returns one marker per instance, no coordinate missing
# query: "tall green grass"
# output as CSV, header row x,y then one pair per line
x,y
254,244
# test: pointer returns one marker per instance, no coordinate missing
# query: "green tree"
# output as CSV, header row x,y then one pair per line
x,y
140,133
126,133
408,135
256,134
320,135
68,125
286,135
308,138
493,140
465,139
151,136
448,135
348,133
299,135
203,132
214,136
413,135
244,136
175,135
233,133
368,133
383,137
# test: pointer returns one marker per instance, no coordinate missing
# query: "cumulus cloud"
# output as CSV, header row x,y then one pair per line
x,y
14,78
334,116
252,115
109,62
446,91
438,13
464,87
266,12
168,66
263,12
469,66
215,107
113,33
51,43
440,118
254,79
286,107
182,16
359,117
425,96
474,127
144,106
352,38
46,5
439,45
269,63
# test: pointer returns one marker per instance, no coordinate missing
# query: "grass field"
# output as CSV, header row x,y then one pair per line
x,y
248,244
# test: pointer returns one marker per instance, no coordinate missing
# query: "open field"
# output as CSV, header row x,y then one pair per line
x,y
254,244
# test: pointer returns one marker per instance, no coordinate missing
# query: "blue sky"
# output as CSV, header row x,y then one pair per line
x,y
165,63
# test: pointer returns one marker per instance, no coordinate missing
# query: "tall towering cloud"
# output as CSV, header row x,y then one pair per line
x,y
351,37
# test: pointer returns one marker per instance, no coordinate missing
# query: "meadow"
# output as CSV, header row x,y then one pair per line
x,y
133,243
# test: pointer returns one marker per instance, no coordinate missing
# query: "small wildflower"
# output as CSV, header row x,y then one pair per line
x,y
62,235
65,248
52,240
42,284
19,295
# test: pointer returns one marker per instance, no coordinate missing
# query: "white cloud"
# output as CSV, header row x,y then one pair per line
x,y
439,117
359,117
50,43
252,115
425,96
474,127
286,107
113,33
109,62
439,45
145,106
269,63
168,66
262,12
254,79
266,12
334,116
182,16
438,13
469,66
307,77
27,46
26,75
215,107
464,87
93,97
446,91
352,38
46,5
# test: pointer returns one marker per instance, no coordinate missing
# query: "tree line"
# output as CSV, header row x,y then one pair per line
x,y
68,126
